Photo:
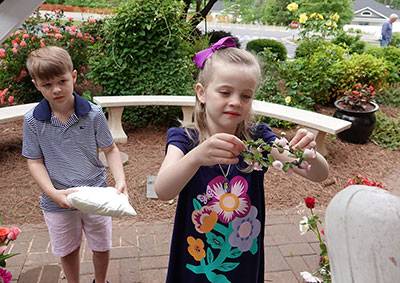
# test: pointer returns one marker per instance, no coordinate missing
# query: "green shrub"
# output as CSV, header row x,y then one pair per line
x,y
274,46
352,43
395,39
314,74
387,132
391,55
359,68
37,32
276,88
308,47
143,53
389,96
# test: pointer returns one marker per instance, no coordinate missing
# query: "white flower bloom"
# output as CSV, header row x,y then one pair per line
x,y
303,225
277,165
281,142
309,278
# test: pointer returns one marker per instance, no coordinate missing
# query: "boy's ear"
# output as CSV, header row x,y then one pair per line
x,y
200,93
74,75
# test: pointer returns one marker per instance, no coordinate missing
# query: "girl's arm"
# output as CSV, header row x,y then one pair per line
x,y
41,177
319,168
113,157
177,169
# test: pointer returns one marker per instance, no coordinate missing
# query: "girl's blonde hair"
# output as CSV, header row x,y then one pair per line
x,y
48,62
231,55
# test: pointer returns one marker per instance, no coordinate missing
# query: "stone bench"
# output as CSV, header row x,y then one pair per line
x,y
13,113
318,123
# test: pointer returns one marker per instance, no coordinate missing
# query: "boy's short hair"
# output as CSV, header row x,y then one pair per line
x,y
48,62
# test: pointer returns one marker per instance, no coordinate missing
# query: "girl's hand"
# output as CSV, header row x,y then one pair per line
x,y
303,139
220,148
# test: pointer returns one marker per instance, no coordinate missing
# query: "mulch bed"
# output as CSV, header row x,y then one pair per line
x,y
19,193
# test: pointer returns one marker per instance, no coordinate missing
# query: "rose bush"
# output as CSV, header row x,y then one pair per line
x,y
38,31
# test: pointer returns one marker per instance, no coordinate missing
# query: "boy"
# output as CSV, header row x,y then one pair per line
x,y
62,135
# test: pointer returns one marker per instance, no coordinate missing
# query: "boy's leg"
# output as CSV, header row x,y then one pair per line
x,y
70,265
98,234
65,231
100,262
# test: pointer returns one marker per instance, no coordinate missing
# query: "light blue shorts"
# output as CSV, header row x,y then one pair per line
x,y
65,231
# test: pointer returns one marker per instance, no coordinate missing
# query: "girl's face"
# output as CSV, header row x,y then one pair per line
x,y
228,96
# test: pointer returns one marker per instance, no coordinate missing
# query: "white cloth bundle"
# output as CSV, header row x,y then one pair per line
x,y
101,200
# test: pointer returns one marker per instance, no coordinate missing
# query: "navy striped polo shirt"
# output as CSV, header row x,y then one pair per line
x,y
69,150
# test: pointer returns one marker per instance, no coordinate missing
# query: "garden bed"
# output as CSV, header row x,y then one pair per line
x,y
76,9
145,147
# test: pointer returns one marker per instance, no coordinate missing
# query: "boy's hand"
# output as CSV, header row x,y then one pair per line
x,y
60,197
121,187
220,148
303,139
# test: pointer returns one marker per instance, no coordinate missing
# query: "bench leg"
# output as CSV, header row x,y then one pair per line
x,y
320,140
115,124
187,114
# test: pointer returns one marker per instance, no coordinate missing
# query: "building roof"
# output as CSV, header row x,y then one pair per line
x,y
376,6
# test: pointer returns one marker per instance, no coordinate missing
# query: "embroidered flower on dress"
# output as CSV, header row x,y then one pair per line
x,y
232,203
204,219
196,248
245,230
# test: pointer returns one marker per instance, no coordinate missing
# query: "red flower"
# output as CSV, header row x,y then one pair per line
x,y
310,202
3,233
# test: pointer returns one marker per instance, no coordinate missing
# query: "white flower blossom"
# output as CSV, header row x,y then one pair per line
x,y
309,278
304,226
277,165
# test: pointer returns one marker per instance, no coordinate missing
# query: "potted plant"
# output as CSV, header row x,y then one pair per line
x,y
358,106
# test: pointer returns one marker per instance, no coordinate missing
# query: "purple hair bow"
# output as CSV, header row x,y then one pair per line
x,y
200,57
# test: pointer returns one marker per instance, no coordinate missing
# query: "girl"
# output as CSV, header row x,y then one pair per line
x,y
219,225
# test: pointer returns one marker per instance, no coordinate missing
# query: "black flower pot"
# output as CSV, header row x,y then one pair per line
x,y
362,123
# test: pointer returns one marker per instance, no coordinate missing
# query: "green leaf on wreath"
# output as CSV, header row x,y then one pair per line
x,y
235,253
228,266
214,241
196,204
210,256
254,247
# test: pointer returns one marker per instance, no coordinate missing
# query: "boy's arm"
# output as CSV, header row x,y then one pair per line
x,y
115,164
41,177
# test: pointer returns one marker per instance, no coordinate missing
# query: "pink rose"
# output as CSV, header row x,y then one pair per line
x,y
14,231
25,36
2,53
11,100
23,43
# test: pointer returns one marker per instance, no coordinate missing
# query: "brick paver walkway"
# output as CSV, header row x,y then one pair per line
x,y
140,253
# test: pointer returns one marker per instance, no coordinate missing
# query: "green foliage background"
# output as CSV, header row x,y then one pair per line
x,y
143,53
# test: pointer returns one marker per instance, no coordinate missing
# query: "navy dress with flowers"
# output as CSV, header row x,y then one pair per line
x,y
219,223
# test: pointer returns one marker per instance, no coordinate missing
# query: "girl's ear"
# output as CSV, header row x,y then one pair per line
x,y
200,93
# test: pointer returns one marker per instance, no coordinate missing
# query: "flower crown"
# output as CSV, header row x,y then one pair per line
x,y
200,57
